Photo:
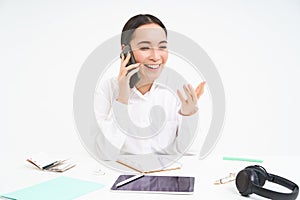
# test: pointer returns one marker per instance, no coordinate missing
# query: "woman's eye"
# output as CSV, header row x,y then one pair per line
x,y
144,48
163,47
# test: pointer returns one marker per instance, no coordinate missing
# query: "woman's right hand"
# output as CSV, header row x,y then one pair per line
x,y
124,78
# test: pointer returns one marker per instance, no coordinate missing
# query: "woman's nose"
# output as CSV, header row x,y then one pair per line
x,y
155,55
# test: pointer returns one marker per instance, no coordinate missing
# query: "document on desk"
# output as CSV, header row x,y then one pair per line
x,y
149,163
61,188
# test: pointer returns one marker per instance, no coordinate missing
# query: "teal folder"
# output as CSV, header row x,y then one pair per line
x,y
61,188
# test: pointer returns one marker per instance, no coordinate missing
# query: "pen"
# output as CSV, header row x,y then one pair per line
x,y
133,178
242,159
51,164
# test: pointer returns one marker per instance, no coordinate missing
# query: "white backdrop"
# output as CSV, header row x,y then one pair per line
x,y
254,44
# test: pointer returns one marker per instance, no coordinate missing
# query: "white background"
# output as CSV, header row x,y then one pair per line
x,y
254,44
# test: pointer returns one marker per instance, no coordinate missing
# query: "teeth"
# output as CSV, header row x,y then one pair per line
x,y
153,66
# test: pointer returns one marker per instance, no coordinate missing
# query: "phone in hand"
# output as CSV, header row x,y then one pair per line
x,y
135,77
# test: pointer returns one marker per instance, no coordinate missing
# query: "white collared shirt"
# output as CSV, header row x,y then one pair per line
x,y
139,106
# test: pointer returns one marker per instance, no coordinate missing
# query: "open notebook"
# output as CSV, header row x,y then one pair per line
x,y
149,164
53,163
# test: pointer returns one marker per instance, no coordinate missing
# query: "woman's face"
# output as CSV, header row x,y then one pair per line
x,y
149,46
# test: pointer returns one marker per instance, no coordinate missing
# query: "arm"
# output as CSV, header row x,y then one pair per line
x,y
110,142
188,116
186,132
113,96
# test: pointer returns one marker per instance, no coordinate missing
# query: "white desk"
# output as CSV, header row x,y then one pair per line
x,y
16,174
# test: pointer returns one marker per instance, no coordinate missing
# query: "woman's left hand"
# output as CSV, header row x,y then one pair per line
x,y
189,104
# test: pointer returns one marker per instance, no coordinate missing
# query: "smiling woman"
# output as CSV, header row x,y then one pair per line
x,y
149,48
146,38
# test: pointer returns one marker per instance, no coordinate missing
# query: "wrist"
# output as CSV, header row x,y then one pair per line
x,y
122,100
189,113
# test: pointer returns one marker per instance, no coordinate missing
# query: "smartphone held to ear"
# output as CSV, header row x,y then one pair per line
x,y
135,77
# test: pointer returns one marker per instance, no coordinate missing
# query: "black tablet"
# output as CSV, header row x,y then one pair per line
x,y
157,184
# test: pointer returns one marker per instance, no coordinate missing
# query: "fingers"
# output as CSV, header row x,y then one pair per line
x,y
136,65
191,94
124,61
132,72
125,71
122,57
182,99
187,92
200,89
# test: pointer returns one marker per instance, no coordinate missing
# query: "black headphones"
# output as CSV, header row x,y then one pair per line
x,y
252,179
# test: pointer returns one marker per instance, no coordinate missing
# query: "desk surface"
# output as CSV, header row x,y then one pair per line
x,y
16,173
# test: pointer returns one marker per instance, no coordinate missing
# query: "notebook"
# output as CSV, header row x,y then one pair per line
x,y
61,188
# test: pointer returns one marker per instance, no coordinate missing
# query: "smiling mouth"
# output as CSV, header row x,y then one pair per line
x,y
152,66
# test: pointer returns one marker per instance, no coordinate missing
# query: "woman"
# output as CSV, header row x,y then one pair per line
x,y
146,35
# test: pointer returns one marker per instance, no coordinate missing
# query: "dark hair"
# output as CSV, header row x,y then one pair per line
x,y
137,21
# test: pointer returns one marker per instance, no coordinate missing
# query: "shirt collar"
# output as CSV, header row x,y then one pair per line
x,y
152,89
